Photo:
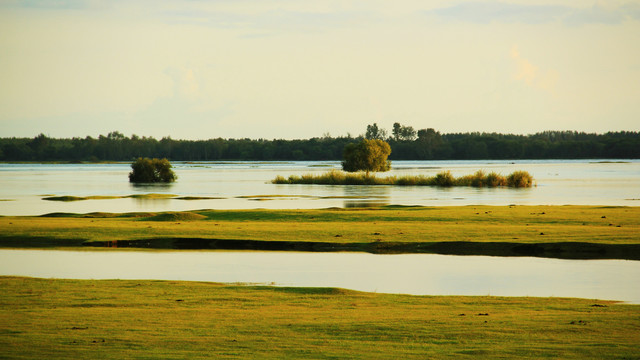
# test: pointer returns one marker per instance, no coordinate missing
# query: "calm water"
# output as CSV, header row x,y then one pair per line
x,y
579,182
420,274
22,188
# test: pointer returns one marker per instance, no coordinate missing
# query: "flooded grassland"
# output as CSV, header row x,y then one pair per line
x,y
88,222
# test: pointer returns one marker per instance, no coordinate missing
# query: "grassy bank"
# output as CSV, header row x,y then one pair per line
x,y
116,319
67,198
553,231
518,179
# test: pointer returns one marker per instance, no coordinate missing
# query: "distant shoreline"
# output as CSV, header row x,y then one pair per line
x,y
425,144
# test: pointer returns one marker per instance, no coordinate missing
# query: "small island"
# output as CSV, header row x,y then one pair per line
x,y
517,179
145,170
371,156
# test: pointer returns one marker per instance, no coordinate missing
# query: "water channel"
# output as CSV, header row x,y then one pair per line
x,y
419,274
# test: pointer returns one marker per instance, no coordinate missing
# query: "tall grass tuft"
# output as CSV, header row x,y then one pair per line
x,y
494,180
443,179
520,179
280,180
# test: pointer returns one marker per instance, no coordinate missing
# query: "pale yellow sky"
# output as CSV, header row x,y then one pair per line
x,y
297,69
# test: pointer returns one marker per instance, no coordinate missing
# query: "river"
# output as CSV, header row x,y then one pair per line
x,y
246,185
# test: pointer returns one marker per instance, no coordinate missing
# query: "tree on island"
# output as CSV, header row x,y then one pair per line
x,y
147,170
367,155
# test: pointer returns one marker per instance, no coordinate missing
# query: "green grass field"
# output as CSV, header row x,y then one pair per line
x,y
597,232
47,318
117,319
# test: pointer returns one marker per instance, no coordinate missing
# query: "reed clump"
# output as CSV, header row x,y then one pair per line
x,y
520,179
335,177
517,179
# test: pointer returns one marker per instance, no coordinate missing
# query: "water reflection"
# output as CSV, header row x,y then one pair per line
x,y
157,204
364,203
151,187
420,274
366,196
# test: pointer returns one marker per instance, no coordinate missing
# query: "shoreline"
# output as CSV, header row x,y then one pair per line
x,y
557,250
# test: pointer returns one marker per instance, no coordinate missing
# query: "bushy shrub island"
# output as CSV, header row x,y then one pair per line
x,y
145,170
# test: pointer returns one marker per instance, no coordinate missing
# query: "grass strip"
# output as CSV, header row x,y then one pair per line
x,y
517,179
124,319
549,231
67,198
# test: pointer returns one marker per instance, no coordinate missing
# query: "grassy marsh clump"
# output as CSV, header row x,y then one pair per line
x,y
445,179
68,198
494,179
335,177
151,196
481,179
518,179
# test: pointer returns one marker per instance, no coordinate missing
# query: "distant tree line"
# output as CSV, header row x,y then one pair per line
x,y
406,144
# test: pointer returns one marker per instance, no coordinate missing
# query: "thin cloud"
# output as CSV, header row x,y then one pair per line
x,y
488,12
60,5
276,19
250,15
500,12
632,11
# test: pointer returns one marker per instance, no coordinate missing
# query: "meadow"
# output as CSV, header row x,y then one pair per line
x,y
118,319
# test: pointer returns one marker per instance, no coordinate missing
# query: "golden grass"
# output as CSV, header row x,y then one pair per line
x,y
114,319
523,224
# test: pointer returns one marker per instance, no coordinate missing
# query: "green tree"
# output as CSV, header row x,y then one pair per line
x,y
427,143
403,133
41,146
397,130
367,155
145,170
407,133
374,132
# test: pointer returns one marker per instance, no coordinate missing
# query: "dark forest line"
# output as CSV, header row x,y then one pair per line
x,y
406,144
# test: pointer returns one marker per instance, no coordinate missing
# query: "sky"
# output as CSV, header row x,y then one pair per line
x,y
291,69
